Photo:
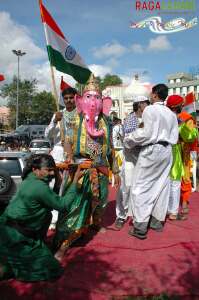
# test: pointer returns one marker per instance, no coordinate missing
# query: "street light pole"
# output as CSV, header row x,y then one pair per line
x,y
18,53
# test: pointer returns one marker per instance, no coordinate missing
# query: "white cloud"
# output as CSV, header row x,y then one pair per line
x,y
113,49
15,36
125,79
161,43
137,48
112,62
34,64
100,70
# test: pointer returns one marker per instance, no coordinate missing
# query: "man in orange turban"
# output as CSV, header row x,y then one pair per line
x,y
187,135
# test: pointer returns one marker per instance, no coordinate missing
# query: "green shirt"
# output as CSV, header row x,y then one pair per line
x,y
34,200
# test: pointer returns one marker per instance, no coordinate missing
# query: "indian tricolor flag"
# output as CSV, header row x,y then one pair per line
x,y
190,104
61,54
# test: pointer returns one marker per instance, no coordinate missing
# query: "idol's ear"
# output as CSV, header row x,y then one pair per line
x,y
78,102
107,103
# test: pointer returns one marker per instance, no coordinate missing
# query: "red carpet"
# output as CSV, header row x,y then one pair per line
x,y
112,265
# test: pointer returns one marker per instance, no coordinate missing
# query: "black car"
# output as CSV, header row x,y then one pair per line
x,y
11,167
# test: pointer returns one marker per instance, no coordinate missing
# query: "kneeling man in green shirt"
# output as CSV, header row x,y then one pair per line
x,y
24,224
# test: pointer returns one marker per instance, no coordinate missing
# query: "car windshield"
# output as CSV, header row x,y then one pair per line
x,y
39,145
11,165
21,128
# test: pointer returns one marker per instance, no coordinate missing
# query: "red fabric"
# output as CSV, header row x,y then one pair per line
x,y
174,100
47,18
115,265
194,145
64,85
189,98
2,77
186,189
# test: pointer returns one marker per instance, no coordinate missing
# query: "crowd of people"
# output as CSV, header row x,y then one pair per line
x,y
158,174
157,140
15,145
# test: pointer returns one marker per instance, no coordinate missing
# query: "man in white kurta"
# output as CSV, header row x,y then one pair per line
x,y
53,132
150,185
66,116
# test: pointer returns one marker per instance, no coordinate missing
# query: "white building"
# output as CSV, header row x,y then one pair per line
x,y
123,95
183,83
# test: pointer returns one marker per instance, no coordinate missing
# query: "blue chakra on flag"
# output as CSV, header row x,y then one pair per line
x,y
70,53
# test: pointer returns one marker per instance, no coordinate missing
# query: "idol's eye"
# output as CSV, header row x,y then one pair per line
x,y
88,96
97,97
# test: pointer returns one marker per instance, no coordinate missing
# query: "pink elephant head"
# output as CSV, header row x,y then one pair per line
x,y
91,104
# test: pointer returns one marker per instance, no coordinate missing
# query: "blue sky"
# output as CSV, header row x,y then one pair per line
x,y
100,32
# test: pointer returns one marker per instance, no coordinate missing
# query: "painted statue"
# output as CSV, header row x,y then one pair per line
x,y
91,144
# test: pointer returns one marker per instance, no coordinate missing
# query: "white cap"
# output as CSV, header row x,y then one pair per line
x,y
140,99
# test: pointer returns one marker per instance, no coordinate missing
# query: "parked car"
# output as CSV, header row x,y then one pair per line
x,y
11,167
39,146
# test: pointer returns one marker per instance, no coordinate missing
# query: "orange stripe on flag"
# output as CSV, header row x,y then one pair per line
x,y
46,18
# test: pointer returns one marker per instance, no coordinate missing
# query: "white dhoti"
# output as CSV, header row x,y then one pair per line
x,y
123,209
123,201
174,198
58,153
151,183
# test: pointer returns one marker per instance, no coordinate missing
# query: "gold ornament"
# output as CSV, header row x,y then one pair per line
x,y
92,84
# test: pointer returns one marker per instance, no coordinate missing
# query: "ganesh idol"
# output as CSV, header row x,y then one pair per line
x,y
90,146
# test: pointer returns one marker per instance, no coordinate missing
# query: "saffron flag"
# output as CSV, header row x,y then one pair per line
x,y
190,104
61,54
63,86
2,78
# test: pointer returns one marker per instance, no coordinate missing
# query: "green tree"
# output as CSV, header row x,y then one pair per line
x,y
110,80
34,107
42,108
27,90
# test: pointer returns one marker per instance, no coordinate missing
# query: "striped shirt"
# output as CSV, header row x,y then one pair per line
x,y
131,123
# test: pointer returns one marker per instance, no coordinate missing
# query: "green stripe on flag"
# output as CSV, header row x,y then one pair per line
x,y
80,74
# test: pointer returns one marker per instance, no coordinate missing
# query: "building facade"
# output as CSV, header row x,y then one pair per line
x,y
182,84
123,95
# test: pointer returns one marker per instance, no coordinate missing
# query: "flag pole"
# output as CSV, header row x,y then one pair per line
x,y
57,103
60,124
54,87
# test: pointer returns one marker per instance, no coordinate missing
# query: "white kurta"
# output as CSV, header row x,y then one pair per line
x,y
150,184
52,132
